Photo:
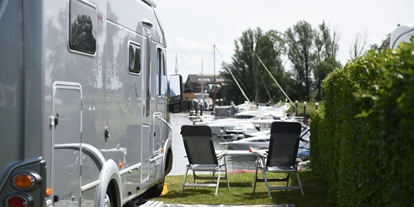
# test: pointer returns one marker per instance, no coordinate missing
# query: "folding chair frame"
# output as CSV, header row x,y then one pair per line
x,y
265,170
264,165
207,168
214,164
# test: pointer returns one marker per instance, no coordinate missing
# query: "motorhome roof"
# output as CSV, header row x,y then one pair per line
x,y
402,33
150,2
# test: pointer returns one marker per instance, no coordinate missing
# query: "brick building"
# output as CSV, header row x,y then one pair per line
x,y
192,86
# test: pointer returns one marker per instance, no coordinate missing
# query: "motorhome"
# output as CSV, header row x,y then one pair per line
x,y
84,102
403,33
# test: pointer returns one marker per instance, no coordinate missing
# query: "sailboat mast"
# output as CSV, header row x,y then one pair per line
x,y
284,93
234,78
214,79
176,67
202,78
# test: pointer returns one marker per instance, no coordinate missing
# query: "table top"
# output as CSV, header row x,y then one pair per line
x,y
238,152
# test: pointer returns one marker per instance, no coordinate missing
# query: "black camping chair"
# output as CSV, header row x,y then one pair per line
x,y
201,156
281,158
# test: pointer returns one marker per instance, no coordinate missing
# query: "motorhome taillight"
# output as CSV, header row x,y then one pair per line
x,y
24,181
48,191
17,201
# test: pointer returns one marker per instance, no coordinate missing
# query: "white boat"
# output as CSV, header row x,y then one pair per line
x,y
256,142
245,120
262,141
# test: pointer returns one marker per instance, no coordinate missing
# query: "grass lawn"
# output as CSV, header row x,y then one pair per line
x,y
241,191
310,107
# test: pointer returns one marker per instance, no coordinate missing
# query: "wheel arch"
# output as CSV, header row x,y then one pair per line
x,y
167,160
109,178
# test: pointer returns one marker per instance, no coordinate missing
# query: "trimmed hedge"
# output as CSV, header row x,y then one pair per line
x,y
362,142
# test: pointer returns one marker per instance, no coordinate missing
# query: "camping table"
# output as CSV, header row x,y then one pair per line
x,y
238,152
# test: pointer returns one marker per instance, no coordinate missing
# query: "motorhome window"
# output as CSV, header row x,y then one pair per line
x,y
134,58
164,79
82,27
161,74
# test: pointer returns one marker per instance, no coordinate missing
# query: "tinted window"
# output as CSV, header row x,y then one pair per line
x,y
82,34
161,74
134,58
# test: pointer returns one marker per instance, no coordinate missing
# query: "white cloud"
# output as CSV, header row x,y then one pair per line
x,y
183,44
192,28
375,41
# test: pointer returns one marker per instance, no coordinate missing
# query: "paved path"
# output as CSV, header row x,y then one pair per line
x,y
161,204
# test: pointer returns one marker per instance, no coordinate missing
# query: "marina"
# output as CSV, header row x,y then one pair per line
x,y
237,161
180,160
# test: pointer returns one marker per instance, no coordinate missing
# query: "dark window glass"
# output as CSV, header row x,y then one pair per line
x,y
134,58
161,74
82,34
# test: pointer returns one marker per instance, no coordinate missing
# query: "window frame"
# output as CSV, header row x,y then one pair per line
x,y
68,29
137,46
161,71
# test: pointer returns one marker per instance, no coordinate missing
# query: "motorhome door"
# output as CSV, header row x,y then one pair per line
x,y
145,141
66,128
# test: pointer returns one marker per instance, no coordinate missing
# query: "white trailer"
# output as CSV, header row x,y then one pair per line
x,y
84,102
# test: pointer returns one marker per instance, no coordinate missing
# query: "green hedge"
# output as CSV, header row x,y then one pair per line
x,y
362,142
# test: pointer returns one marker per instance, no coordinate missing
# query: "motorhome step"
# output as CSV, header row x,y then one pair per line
x,y
230,205
153,204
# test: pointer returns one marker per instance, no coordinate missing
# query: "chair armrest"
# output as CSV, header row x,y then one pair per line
x,y
221,154
261,154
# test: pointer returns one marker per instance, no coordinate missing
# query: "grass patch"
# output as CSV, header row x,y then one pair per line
x,y
310,107
241,191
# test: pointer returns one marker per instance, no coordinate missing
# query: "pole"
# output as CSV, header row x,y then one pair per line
x,y
290,101
176,67
214,79
235,80
297,105
202,77
202,89
304,112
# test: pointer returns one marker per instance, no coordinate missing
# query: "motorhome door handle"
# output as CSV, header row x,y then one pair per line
x,y
57,119
147,22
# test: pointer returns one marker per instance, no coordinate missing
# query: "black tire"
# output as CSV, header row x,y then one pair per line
x,y
110,197
156,190
109,200
169,162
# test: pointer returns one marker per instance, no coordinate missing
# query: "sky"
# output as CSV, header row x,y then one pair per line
x,y
192,27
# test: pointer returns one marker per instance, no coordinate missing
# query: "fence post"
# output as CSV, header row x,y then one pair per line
x,y
201,108
304,112
297,106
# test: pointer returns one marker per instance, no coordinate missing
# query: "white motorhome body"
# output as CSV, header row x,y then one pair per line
x,y
402,33
84,107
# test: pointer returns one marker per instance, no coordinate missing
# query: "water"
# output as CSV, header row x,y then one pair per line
x,y
180,161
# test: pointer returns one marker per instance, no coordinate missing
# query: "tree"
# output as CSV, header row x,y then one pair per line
x,y
385,44
327,46
358,48
300,40
270,47
241,67
248,71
